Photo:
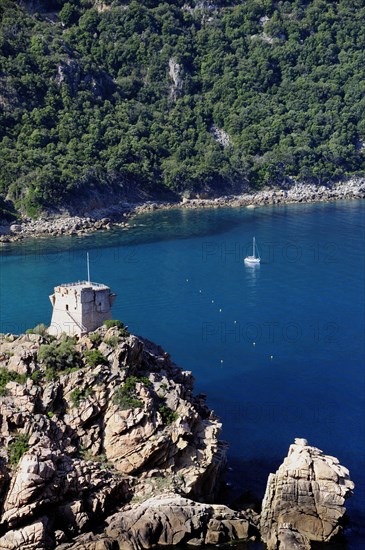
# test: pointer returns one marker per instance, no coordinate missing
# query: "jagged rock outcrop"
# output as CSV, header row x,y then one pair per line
x,y
74,490
170,520
304,499
103,445
76,443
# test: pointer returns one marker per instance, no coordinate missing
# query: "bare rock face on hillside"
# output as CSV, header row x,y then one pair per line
x,y
304,499
177,80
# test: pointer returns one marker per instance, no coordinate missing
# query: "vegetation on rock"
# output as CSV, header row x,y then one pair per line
x,y
126,396
95,357
78,395
59,356
17,448
95,338
168,415
184,96
111,323
7,376
111,341
38,329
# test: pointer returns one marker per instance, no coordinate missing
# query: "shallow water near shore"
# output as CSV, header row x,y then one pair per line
x,y
277,348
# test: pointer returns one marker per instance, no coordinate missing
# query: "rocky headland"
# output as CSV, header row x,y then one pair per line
x,y
103,445
122,211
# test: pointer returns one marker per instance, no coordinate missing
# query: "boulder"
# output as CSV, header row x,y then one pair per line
x,y
305,498
30,537
172,519
91,542
289,538
16,228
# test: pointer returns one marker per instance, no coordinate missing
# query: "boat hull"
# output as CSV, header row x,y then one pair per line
x,y
252,260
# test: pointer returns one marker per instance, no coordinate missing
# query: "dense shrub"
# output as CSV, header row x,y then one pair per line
x,y
125,402
7,211
36,376
95,338
123,330
112,341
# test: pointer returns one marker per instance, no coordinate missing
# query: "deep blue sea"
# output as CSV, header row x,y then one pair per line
x,y
278,348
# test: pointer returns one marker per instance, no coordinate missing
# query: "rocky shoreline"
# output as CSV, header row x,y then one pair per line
x,y
120,215
104,446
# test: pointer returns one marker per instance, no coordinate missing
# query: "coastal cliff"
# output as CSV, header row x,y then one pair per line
x,y
103,445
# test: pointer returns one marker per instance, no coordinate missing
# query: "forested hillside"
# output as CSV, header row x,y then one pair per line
x,y
187,95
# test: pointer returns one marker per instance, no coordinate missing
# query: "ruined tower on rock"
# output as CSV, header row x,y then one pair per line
x,y
79,308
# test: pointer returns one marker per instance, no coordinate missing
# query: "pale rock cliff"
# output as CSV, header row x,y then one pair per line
x,y
304,499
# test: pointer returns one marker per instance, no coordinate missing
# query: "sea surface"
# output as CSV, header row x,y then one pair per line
x,y
278,348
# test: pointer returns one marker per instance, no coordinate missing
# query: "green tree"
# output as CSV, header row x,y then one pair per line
x,y
69,14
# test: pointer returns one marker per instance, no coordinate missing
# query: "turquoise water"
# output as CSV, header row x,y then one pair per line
x,y
278,348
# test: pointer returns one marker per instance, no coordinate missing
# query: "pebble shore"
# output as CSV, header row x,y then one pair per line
x,y
121,214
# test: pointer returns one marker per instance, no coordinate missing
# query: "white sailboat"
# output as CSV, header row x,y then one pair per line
x,y
252,260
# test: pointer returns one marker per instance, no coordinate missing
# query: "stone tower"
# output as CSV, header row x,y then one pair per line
x,y
79,308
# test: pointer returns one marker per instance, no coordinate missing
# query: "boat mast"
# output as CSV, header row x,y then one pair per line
x,y
88,267
253,248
